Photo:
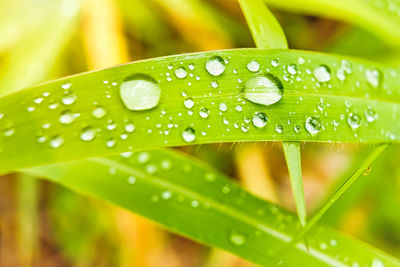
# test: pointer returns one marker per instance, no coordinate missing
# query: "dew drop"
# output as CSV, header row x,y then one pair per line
x,y
292,69
204,113
67,117
69,99
223,107
215,66
9,131
181,73
189,135
377,263
275,62
313,125
354,120
143,157
237,239
130,128
265,89
370,115
374,77
56,141
110,143
131,180
279,129
322,73
253,66
188,103
88,134
260,119
140,92
66,85
99,112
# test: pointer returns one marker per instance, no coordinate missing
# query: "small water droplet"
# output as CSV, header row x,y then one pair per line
x,y
204,112
292,69
69,99
215,66
188,103
189,135
67,117
110,143
275,62
354,120
223,107
260,119
265,89
56,141
66,85
374,77
370,115
313,125
237,239
88,134
166,195
253,66
181,73
279,128
99,112
131,180
377,263
166,164
9,131
130,128
140,92
322,73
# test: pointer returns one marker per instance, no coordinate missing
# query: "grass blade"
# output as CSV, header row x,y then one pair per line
x,y
293,160
360,108
187,197
266,31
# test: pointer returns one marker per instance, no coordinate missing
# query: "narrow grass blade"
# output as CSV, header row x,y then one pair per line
x,y
193,200
49,121
266,31
373,16
293,160
352,179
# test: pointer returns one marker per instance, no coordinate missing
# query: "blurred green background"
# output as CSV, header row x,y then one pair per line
x,y
43,224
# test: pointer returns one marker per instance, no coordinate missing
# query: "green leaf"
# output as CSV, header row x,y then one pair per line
x,y
293,160
193,200
373,16
361,108
266,31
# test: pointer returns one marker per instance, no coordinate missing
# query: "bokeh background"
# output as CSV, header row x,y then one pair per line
x,y
43,224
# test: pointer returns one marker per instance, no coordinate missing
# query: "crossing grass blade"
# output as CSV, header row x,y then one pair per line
x,y
192,199
359,103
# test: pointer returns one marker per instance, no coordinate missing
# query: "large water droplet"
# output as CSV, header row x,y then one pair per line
x,y
215,66
322,73
140,92
237,239
189,135
313,125
265,89
260,119
88,134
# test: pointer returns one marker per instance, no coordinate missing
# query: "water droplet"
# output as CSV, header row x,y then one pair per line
x,y
322,73
181,73
189,135
130,128
215,66
110,142
313,125
56,141
166,164
204,113
292,69
69,99
237,239
377,263
263,89
166,195
210,177
99,112
374,77
275,62
370,115
223,107
140,92
66,85
279,128
9,131
354,120
67,117
260,119
253,66
131,180
214,84
88,134
143,157
188,103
